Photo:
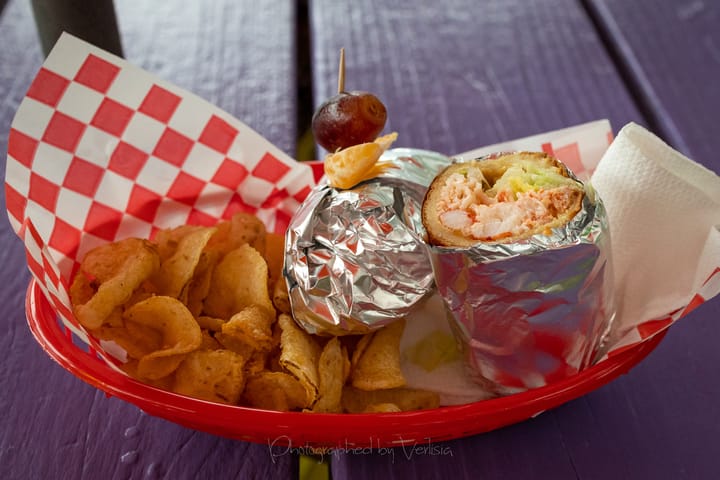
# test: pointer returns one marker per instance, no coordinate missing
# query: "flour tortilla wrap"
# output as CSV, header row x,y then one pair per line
x,y
503,198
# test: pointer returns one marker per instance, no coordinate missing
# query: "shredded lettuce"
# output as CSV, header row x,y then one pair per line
x,y
528,176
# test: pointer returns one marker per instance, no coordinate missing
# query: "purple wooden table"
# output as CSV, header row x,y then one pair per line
x,y
236,54
460,74
454,75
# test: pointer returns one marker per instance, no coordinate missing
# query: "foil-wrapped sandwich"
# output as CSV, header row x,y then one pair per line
x,y
521,257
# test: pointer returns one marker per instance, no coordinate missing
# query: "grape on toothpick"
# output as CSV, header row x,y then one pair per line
x,y
348,118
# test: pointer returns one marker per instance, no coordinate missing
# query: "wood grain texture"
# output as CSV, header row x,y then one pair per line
x,y
671,53
461,74
238,55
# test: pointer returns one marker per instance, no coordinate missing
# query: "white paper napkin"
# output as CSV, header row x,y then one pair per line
x,y
664,213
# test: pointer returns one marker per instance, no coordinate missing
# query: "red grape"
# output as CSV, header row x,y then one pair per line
x,y
347,119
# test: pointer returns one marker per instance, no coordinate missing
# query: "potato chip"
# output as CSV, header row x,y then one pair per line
x,y
180,334
248,333
355,400
360,347
160,364
210,323
235,344
252,324
258,362
105,261
147,336
214,375
274,255
164,383
242,228
382,408
146,290
281,296
246,228
115,270
168,239
378,365
82,288
238,281
208,342
197,289
331,375
275,391
135,339
299,355
273,358
115,319
220,241
177,270
347,368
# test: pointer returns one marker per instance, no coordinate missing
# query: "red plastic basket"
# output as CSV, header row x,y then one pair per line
x,y
294,429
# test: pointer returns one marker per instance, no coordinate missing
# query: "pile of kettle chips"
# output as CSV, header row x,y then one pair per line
x,y
204,312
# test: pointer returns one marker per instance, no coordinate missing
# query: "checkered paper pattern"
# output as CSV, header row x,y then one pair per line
x,y
100,150
580,147
647,329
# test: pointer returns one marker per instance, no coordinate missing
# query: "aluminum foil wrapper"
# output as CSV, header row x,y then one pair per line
x,y
533,312
353,263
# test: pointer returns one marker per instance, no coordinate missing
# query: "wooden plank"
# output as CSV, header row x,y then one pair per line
x,y
461,74
53,424
670,53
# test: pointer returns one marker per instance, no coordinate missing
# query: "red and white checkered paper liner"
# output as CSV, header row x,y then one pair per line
x,y
580,147
100,150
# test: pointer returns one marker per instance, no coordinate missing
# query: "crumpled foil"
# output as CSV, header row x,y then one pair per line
x,y
352,262
532,312
525,314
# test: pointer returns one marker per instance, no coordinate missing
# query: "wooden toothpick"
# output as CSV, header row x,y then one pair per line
x,y
341,72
